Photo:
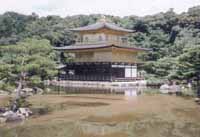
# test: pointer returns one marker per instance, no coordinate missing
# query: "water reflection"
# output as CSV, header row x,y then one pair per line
x,y
130,92
127,91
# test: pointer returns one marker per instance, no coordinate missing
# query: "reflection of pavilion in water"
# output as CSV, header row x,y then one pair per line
x,y
127,91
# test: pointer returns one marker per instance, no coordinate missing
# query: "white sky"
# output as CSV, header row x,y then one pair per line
x,y
111,7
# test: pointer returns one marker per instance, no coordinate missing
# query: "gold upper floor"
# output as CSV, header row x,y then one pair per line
x,y
102,36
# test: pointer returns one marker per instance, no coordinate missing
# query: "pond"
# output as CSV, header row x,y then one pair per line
x,y
110,112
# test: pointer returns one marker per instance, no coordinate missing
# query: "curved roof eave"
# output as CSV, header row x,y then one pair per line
x,y
89,47
101,25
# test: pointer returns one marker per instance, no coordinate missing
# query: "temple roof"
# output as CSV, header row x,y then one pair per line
x,y
98,46
100,25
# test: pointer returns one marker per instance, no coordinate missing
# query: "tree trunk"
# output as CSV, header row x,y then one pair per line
x,y
19,88
20,84
198,86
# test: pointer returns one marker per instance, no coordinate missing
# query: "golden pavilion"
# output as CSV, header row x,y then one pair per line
x,y
101,53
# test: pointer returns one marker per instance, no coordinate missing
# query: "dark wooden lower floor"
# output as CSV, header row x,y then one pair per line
x,y
99,71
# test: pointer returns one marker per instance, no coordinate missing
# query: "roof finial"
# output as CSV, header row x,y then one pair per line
x,y
103,19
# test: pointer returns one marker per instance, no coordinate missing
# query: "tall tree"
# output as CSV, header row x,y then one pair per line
x,y
189,63
29,63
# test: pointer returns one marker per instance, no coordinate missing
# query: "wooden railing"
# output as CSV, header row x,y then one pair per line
x,y
109,42
85,77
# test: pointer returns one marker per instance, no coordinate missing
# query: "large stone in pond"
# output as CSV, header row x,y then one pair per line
x,y
11,116
2,110
24,111
27,90
197,99
164,88
15,118
39,91
8,114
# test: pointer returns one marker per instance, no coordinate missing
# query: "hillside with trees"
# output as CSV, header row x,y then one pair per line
x,y
174,40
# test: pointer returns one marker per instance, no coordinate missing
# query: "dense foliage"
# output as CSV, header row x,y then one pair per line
x,y
27,63
173,38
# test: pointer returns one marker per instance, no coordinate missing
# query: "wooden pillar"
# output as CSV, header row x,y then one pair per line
x,y
111,76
